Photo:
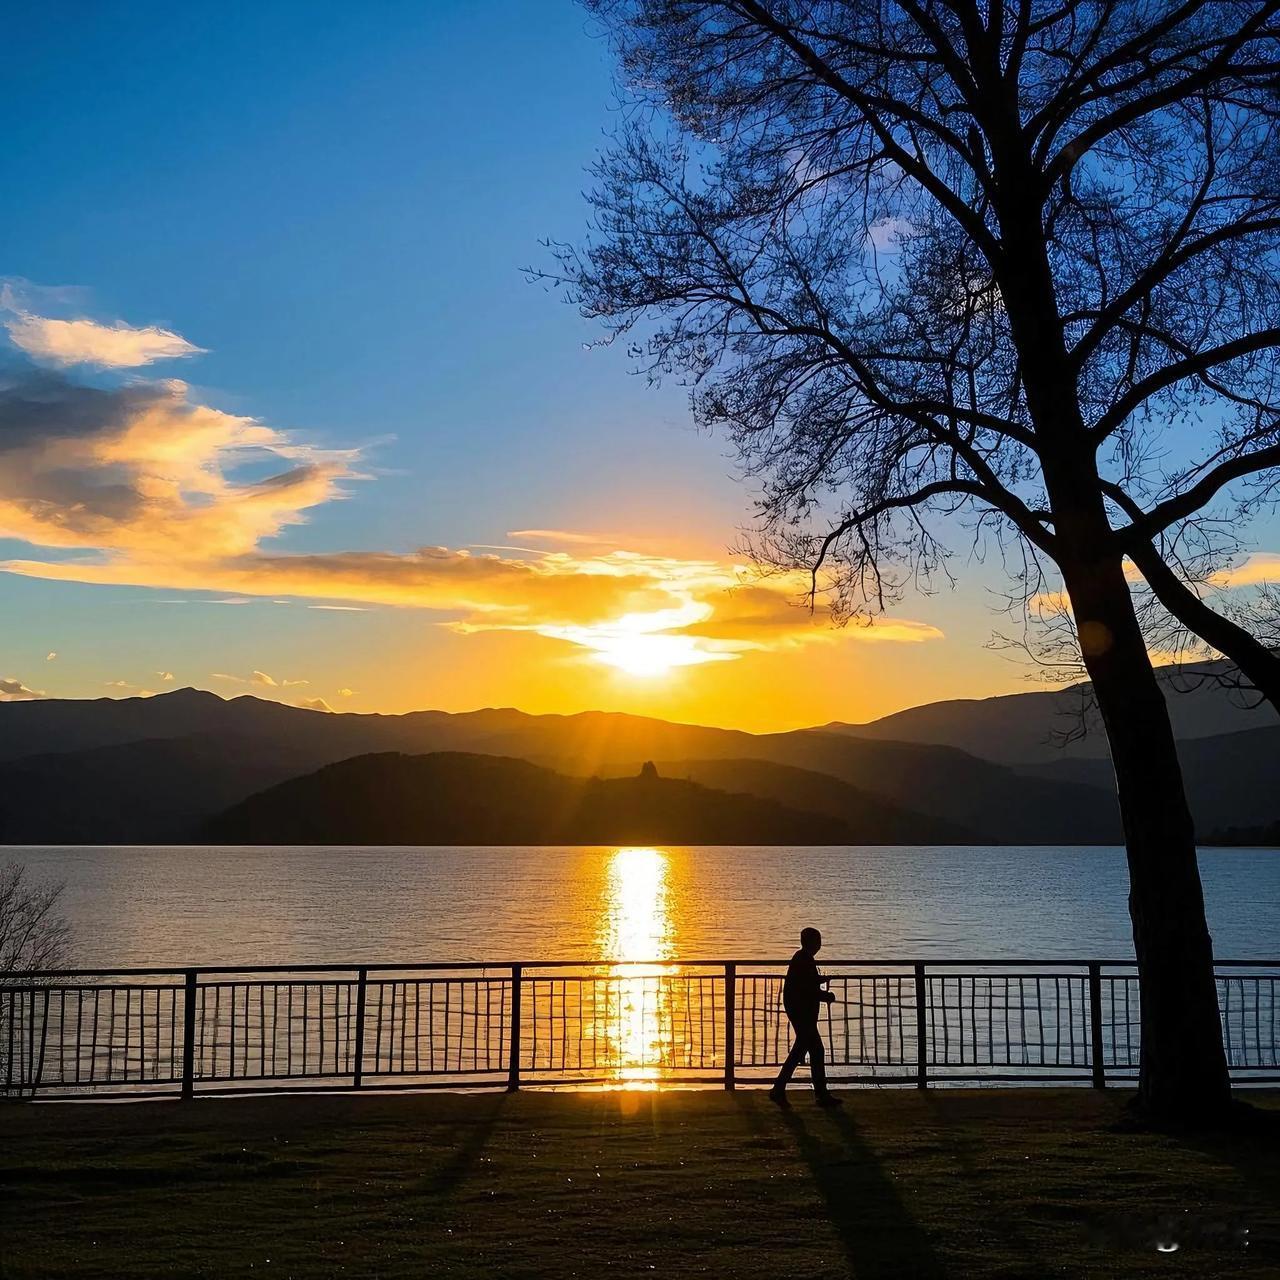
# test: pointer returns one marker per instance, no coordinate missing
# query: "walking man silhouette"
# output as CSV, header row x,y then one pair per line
x,y
802,995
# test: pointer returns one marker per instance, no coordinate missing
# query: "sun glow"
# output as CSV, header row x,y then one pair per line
x,y
650,644
650,655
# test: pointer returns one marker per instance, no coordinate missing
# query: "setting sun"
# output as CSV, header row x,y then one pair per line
x,y
651,655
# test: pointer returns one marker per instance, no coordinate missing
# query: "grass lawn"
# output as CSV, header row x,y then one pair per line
x,y
1026,1183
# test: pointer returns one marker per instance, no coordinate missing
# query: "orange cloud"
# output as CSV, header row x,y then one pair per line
x,y
13,690
142,472
154,490
1263,566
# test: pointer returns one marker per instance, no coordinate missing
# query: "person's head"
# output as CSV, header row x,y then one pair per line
x,y
810,941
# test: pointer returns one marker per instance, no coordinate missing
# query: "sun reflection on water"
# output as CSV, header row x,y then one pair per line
x,y
636,924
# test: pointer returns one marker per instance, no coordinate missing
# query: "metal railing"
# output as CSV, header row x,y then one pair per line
x,y
72,1033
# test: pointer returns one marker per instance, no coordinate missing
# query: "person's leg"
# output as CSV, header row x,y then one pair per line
x,y
794,1058
818,1069
818,1062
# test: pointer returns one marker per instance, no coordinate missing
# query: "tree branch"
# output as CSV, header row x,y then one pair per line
x,y
1148,525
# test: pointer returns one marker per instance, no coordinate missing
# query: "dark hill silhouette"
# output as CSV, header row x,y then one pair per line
x,y
871,819
1233,779
152,792
456,798
161,791
1266,836
988,799
1023,728
991,801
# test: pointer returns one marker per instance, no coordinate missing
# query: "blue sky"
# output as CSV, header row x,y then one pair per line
x,y
339,211
335,203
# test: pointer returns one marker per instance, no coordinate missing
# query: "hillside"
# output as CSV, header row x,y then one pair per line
x,y
1233,779
871,819
454,798
1260,837
152,792
1024,728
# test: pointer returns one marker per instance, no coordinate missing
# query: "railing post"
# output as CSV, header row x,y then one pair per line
x,y
1095,1024
189,1035
730,1020
513,1069
362,986
922,1055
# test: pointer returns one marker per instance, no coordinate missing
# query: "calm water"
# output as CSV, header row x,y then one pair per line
x,y
205,906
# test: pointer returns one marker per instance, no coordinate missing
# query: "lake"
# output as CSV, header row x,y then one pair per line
x,y
238,906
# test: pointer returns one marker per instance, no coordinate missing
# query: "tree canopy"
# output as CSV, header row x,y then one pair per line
x,y
853,198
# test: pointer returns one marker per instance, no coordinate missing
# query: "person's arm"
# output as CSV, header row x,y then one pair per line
x,y
816,982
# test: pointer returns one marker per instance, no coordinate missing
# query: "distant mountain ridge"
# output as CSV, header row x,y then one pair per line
x,y
1048,726
939,784
152,770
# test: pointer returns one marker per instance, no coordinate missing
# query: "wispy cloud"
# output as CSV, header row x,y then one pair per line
x,y
114,346
166,677
1263,566
51,655
567,538
596,602
315,704
13,690
80,340
261,678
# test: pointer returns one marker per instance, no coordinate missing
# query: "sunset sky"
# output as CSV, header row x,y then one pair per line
x,y
280,414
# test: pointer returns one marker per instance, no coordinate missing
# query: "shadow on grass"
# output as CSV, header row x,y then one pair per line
x,y
1250,1147
471,1141
881,1238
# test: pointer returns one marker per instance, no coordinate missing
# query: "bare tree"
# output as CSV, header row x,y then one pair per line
x,y
33,935
1013,264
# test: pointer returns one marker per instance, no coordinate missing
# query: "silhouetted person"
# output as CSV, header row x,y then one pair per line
x,y
802,996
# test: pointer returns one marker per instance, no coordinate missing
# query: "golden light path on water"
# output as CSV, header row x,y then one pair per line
x,y
636,924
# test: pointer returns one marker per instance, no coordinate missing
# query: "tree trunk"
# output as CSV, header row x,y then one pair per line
x,y
1184,1075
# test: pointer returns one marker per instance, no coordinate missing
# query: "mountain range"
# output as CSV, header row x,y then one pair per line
x,y
1014,769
